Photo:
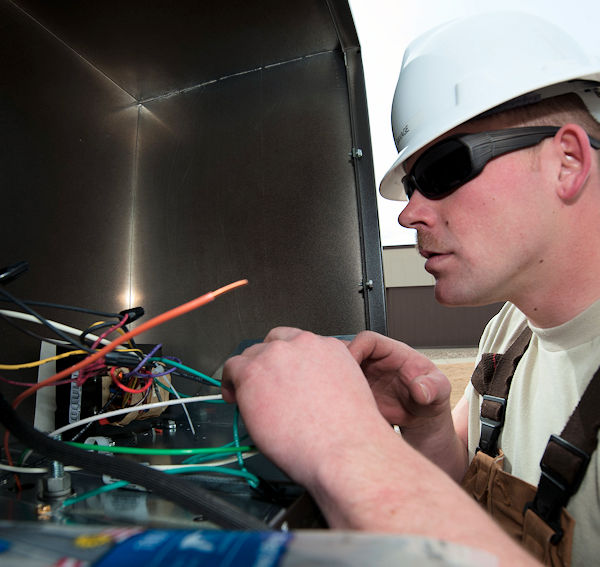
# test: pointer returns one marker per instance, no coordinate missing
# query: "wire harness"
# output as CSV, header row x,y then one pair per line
x,y
136,380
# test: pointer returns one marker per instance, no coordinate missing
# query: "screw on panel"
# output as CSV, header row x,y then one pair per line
x,y
57,485
356,153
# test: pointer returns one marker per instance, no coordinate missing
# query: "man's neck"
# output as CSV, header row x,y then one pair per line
x,y
551,308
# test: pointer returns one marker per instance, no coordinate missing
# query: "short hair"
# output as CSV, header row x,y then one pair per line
x,y
554,111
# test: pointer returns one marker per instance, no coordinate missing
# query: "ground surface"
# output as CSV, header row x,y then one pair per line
x,y
457,364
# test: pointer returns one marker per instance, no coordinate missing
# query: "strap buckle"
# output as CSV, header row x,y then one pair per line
x,y
490,427
556,488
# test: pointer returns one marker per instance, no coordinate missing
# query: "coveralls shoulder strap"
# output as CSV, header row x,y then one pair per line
x,y
535,517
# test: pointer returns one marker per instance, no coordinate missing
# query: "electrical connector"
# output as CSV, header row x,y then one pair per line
x,y
133,314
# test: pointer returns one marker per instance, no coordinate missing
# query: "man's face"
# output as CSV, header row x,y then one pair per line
x,y
487,241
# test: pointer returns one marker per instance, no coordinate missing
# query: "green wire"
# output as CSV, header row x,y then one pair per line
x,y
195,459
156,381
236,441
96,492
161,385
185,368
119,484
142,451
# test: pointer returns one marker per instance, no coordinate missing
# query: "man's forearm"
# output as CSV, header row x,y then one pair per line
x,y
437,440
389,487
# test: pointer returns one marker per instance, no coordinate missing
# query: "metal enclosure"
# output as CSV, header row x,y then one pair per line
x,y
154,151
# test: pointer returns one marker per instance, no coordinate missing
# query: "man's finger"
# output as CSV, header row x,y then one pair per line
x,y
282,334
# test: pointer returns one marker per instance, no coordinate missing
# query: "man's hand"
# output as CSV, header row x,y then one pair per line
x,y
412,392
408,387
302,397
309,408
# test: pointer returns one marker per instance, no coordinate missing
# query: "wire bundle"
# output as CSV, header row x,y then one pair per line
x,y
180,491
135,379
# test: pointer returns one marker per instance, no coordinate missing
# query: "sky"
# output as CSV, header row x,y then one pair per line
x,y
384,29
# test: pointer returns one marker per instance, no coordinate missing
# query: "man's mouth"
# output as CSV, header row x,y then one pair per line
x,y
427,254
435,260
428,246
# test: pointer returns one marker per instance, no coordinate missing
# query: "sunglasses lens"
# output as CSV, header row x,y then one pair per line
x,y
442,169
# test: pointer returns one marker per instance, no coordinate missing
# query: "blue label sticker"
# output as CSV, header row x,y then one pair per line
x,y
182,548
4,545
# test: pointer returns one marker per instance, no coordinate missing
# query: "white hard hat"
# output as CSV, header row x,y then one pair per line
x,y
466,67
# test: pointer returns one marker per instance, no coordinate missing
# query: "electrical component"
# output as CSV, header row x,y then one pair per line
x,y
188,495
111,387
132,314
124,385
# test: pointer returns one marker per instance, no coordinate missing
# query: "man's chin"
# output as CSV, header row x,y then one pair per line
x,y
452,297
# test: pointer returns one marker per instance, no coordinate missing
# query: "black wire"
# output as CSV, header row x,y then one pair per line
x,y
186,494
114,358
94,328
104,325
127,359
44,321
102,410
131,340
192,377
67,308
10,321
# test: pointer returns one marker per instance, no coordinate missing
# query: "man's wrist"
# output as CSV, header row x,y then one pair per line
x,y
352,485
436,439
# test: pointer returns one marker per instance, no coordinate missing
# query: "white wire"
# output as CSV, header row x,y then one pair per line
x,y
43,470
60,326
187,413
122,411
31,470
221,462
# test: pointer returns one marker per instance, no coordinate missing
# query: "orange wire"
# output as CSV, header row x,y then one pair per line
x,y
155,321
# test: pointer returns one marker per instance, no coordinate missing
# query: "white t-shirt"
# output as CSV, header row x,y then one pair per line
x,y
548,383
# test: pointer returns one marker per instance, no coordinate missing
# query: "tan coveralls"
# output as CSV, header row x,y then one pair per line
x,y
536,517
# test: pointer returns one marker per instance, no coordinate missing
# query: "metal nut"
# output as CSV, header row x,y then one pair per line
x,y
55,488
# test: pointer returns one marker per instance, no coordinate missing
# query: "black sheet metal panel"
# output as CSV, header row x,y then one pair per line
x,y
372,285
158,150
68,139
68,145
231,193
156,47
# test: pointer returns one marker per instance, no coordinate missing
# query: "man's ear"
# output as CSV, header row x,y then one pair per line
x,y
573,146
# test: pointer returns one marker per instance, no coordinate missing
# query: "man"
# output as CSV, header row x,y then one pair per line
x,y
509,215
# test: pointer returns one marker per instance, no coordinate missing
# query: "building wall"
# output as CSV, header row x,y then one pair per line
x,y
413,314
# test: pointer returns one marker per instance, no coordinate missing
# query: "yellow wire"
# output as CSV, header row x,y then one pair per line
x,y
52,358
130,342
119,330
40,362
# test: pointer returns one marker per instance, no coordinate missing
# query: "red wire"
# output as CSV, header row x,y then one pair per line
x,y
155,321
89,371
113,328
25,384
120,384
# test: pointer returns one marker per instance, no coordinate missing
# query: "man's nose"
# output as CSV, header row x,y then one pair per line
x,y
418,211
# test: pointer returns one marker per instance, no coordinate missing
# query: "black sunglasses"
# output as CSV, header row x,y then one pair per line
x,y
443,168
